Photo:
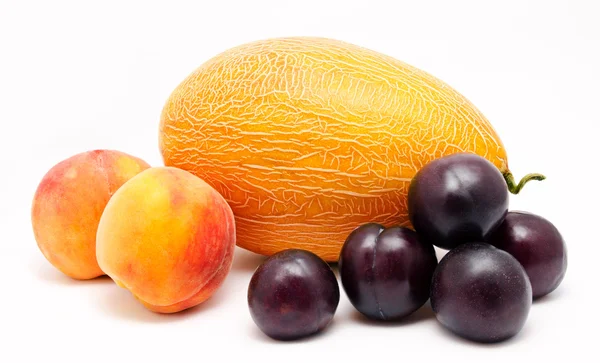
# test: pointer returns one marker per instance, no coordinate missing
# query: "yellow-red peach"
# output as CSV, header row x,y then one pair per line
x,y
68,203
168,237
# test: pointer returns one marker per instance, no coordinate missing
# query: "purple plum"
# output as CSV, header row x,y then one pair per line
x,y
386,273
293,294
537,245
481,293
456,199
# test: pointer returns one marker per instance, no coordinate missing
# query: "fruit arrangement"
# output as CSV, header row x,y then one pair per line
x,y
310,151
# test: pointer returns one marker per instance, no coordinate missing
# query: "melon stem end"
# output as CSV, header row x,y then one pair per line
x,y
515,188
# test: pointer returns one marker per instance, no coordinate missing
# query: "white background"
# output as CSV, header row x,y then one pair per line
x,y
80,75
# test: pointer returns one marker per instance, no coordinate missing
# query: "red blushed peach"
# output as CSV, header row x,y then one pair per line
x,y
68,203
168,237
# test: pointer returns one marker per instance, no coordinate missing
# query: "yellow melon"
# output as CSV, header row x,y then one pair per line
x,y
308,138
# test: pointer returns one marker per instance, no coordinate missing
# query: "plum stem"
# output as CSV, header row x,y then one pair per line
x,y
516,188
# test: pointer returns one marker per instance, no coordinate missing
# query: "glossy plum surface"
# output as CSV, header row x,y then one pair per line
x,y
456,199
386,273
481,293
538,245
293,294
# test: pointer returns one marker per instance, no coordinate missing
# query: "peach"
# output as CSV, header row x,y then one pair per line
x,y
168,237
68,203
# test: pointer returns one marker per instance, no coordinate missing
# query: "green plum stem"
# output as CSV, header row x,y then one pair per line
x,y
516,188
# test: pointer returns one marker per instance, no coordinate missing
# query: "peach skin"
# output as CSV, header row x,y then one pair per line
x,y
168,237
68,203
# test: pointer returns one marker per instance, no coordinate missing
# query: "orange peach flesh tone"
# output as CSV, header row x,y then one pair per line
x,y
68,204
168,237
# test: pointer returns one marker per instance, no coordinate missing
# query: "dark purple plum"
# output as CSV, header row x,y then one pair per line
x,y
457,198
481,293
386,273
537,245
293,294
